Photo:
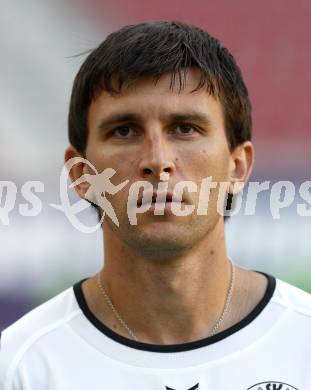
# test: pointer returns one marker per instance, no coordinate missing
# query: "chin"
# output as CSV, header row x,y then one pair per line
x,y
164,241
162,236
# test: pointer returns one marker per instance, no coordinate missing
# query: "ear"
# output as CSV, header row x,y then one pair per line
x,y
240,167
77,171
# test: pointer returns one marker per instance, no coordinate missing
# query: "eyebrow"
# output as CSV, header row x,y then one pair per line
x,y
192,116
118,118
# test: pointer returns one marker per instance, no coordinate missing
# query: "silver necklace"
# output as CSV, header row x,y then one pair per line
x,y
228,301
213,331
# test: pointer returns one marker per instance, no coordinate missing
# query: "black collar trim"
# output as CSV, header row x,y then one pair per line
x,y
174,347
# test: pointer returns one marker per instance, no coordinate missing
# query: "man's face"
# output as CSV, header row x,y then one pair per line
x,y
149,129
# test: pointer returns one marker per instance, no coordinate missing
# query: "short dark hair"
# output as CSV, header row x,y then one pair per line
x,y
154,49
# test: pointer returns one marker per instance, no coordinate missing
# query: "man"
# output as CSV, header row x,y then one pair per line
x,y
163,103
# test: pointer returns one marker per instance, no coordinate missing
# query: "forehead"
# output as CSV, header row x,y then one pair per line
x,y
149,99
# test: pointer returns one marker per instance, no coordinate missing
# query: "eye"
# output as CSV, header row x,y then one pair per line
x,y
185,129
124,131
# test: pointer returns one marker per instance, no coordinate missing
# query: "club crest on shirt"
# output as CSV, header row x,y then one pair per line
x,y
195,387
272,386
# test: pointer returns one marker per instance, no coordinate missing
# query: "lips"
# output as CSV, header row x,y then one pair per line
x,y
168,197
161,196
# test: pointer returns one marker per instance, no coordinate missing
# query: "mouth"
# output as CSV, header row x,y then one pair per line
x,y
161,197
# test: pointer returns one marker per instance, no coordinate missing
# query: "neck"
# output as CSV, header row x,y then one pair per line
x,y
171,299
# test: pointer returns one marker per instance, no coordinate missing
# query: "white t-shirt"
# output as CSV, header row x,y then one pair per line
x,y
61,345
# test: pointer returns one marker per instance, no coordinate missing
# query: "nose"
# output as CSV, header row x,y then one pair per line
x,y
156,157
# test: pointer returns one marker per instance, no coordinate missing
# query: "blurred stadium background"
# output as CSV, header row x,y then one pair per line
x,y
41,256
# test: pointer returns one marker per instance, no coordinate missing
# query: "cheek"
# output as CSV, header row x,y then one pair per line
x,y
104,156
205,163
102,159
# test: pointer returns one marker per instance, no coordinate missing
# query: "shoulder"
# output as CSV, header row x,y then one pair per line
x,y
294,299
18,339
